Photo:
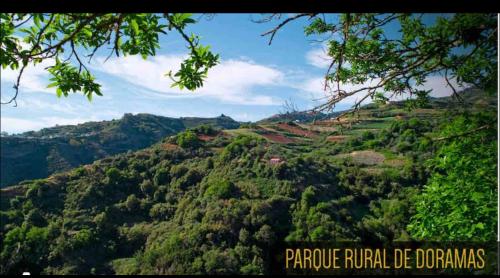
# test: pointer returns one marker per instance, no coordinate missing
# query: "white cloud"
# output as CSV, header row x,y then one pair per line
x,y
439,86
149,73
314,87
232,81
17,125
57,105
319,58
34,78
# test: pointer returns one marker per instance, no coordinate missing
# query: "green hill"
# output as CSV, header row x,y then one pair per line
x,y
37,154
215,200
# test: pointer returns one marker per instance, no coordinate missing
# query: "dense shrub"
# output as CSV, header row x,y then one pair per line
x,y
458,202
221,189
161,177
188,139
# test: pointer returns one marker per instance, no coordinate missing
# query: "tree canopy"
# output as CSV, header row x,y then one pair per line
x,y
395,53
72,37
390,53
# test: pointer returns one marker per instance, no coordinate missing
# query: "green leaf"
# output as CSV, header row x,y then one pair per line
x,y
51,85
135,26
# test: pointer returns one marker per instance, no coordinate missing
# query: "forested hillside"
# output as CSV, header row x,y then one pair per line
x,y
37,154
211,200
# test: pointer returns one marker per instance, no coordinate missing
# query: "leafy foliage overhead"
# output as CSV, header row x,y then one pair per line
x,y
395,53
390,53
71,38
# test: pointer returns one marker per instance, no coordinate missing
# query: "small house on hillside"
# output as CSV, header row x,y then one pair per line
x,y
275,160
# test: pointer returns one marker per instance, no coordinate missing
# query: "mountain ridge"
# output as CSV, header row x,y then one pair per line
x,y
64,147
37,154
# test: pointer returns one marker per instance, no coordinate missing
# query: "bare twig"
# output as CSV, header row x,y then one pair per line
x,y
277,28
455,93
16,87
23,22
462,134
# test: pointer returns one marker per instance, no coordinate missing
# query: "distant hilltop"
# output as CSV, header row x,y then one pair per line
x,y
92,127
37,154
468,96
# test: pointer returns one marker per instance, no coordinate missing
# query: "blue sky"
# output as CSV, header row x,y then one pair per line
x,y
252,81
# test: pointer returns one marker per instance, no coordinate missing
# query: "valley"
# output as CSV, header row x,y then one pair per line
x,y
214,199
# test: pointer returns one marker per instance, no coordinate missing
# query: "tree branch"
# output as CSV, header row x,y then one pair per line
x,y
277,28
462,134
